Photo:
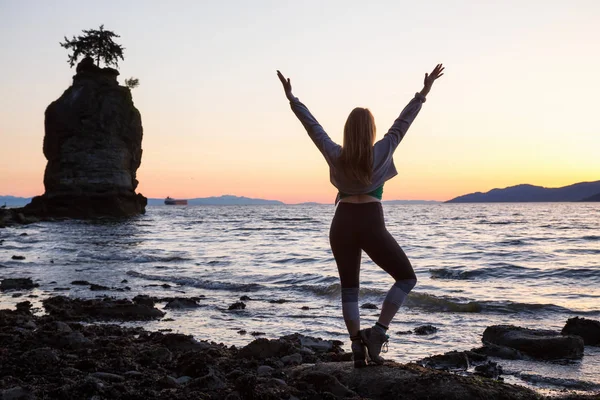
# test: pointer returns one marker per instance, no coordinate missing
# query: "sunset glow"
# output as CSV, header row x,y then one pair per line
x,y
518,103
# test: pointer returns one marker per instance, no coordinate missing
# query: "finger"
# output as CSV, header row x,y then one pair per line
x,y
439,76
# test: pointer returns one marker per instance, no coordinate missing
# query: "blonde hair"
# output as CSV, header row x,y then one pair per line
x,y
357,153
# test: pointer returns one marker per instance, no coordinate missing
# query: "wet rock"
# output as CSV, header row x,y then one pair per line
x,y
587,329
15,295
292,359
23,234
124,281
305,308
158,354
245,298
318,345
82,283
184,380
256,333
279,301
489,370
17,284
369,306
492,350
168,382
453,360
238,305
425,330
145,300
40,358
106,308
242,332
107,376
395,381
181,303
61,289
16,393
210,381
536,343
24,307
95,287
15,257
264,370
404,332
133,374
265,348
323,382
73,340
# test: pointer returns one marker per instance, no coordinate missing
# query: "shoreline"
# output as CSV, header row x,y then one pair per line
x,y
67,354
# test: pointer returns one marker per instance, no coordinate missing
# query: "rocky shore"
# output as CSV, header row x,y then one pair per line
x,y
75,351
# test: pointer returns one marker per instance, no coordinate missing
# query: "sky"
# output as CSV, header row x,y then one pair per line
x,y
518,102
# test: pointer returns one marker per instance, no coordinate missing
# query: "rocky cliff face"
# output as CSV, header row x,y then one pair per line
x,y
93,138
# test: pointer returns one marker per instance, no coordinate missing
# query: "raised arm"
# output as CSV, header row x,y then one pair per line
x,y
410,112
326,146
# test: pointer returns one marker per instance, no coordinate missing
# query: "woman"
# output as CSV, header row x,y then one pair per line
x,y
358,170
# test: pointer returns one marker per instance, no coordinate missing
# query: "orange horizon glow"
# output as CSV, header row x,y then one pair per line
x,y
517,103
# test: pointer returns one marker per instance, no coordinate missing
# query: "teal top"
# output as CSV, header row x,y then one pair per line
x,y
377,193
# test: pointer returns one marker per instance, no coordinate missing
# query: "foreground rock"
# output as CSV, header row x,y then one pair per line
x,y
587,329
17,284
102,309
46,358
92,141
395,381
536,343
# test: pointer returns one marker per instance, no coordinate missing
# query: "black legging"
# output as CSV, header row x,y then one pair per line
x,y
357,227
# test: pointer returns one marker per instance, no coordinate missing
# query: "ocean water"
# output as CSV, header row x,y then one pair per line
x,y
531,265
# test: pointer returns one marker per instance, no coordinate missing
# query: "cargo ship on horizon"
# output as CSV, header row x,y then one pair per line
x,y
175,202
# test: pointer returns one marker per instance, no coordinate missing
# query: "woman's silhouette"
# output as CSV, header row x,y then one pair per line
x,y
358,170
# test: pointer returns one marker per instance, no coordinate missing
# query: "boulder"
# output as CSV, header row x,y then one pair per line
x,y
102,309
181,303
587,329
425,330
535,343
396,381
93,144
17,284
453,360
264,348
238,305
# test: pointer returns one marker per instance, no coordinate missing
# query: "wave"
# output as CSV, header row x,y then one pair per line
x,y
573,384
513,242
124,257
295,260
432,303
201,283
334,290
591,237
281,219
511,271
499,270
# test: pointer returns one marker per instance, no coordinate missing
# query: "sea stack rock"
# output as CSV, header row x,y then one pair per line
x,y
93,144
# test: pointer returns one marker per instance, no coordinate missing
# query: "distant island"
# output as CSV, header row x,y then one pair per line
x,y
583,191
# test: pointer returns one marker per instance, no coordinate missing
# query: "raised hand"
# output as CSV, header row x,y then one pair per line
x,y
430,78
287,85
435,74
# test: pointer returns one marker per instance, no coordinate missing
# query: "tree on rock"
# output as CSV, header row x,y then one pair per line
x,y
97,44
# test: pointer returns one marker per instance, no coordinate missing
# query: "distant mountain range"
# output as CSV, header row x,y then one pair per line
x,y
12,201
225,200
584,191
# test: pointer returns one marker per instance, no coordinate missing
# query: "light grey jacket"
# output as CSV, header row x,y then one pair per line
x,y
383,150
